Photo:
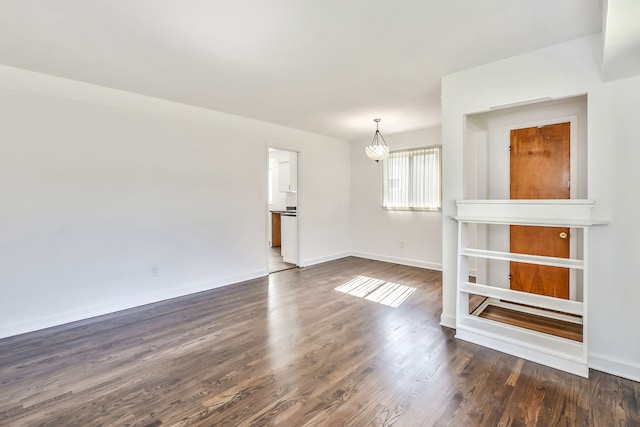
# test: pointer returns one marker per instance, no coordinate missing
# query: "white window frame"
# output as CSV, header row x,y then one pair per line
x,y
410,202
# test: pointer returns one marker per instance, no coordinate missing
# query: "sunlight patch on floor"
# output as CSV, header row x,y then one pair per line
x,y
387,293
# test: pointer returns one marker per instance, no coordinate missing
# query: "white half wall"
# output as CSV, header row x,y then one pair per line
x,y
561,71
112,200
377,233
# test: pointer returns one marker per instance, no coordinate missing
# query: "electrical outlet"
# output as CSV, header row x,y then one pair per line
x,y
401,243
155,272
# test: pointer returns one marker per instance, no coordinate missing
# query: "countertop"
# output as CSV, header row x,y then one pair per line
x,y
284,212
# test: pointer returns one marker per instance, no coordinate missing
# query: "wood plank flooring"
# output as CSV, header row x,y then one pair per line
x,y
547,325
289,350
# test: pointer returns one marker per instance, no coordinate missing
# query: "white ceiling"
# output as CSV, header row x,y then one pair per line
x,y
325,66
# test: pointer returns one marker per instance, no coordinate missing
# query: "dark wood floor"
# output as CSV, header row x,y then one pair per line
x,y
290,350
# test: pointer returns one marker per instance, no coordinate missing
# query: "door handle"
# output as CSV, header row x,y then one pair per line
x,y
563,235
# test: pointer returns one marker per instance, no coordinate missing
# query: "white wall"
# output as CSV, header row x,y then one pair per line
x,y
565,70
615,249
100,186
377,233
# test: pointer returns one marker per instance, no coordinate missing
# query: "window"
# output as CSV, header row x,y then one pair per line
x,y
411,179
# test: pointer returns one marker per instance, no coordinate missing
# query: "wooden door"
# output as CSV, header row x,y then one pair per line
x,y
275,229
540,169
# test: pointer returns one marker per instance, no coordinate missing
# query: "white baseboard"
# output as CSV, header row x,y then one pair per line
x,y
526,351
447,321
320,260
397,260
610,365
123,304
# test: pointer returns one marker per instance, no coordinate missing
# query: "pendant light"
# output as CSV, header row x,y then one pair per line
x,y
377,151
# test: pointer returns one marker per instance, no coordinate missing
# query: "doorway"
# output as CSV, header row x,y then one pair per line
x,y
282,210
540,168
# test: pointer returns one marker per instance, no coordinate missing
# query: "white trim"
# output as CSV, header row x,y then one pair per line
x,y
529,259
296,260
447,321
614,366
568,318
515,348
102,309
319,260
526,298
402,261
560,212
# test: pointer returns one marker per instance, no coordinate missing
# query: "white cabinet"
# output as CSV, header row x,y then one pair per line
x,y
288,174
284,176
289,238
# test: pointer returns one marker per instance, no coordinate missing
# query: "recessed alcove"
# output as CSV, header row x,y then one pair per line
x,y
533,302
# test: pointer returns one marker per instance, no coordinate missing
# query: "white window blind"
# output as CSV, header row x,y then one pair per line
x,y
411,179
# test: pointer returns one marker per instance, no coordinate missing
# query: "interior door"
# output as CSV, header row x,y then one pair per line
x,y
540,169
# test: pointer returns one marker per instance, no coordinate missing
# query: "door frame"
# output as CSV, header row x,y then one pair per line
x,y
298,204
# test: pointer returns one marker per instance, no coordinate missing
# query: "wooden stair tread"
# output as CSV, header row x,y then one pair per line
x,y
547,325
